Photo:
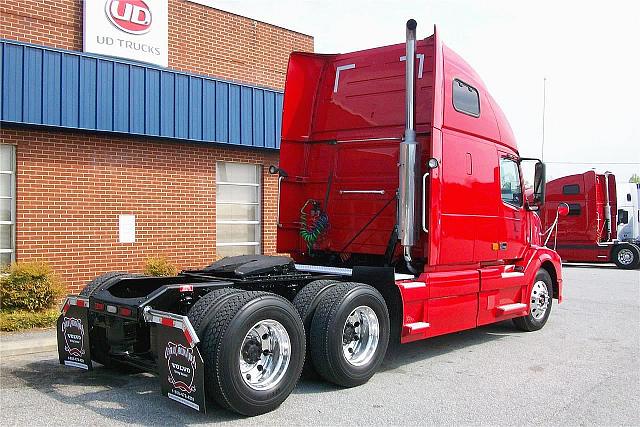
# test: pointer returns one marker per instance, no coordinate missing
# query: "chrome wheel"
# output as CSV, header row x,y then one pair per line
x,y
360,336
625,256
539,300
265,354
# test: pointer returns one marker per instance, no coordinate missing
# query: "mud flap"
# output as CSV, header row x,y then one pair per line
x,y
180,364
73,333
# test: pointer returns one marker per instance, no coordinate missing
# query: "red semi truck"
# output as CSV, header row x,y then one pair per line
x,y
589,232
402,207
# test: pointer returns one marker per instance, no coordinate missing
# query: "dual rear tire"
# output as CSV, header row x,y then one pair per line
x,y
253,348
348,331
254,343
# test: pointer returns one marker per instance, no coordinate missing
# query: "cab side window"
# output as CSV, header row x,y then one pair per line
x,y
466,99
510,188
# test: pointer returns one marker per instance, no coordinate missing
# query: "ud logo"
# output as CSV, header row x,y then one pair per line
x,y
131,16
182,367
73,332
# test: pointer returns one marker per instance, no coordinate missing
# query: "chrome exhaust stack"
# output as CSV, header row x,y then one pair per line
x,y
408,153
607,205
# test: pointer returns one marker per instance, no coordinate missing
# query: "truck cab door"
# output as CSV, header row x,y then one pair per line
x,y
513,230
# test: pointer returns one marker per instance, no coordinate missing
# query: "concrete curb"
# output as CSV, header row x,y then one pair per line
x,y
10,347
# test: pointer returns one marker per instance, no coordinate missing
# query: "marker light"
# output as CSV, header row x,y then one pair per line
x,y
124,311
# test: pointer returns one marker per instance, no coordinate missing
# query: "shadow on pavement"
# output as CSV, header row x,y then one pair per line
x,y
136,398
402,354
131,399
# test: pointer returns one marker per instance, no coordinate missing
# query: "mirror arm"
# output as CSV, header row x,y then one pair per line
x,y
529,159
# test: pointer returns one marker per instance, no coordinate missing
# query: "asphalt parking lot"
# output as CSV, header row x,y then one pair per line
x,y
582,368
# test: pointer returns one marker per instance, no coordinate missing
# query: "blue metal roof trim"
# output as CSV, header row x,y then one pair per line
x,y
75,90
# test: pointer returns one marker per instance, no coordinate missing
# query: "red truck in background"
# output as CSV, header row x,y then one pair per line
x,y
589,232
402,206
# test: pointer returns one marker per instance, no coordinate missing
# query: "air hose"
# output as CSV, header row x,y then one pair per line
x,y
313,224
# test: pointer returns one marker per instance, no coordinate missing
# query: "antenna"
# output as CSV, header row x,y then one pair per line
x,y
544,105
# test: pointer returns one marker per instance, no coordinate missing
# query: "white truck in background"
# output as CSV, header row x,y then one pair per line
x,y
629,212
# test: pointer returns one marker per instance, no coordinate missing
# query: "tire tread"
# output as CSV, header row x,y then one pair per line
x,y
306,303
199,311
319,335
96,283
212,342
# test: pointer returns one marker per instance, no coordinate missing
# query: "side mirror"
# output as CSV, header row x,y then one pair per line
x,y
563,209
539,184
534,194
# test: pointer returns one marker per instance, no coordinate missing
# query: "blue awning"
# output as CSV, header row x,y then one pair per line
x,y
58,88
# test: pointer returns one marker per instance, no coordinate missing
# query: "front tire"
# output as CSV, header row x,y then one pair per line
x,y
253,350
349,334
540,302
626,256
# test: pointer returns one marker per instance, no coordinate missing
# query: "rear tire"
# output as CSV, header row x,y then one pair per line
x,y
626,256
96,283
97,336
239,375
204,309
349,334
306,302
540,302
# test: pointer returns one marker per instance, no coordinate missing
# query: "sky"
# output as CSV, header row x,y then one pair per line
x,y
588,52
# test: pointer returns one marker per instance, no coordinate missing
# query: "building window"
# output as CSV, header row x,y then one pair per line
x,y
571,189
238,209
7,204
510,188
466,99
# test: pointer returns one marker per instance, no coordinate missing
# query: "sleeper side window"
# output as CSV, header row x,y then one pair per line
x,y
574,209
571,189
510,187
466,99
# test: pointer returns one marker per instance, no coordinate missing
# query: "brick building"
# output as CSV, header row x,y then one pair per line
x,y
105,162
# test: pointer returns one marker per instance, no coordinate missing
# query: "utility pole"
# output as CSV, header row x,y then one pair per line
x,y
544,105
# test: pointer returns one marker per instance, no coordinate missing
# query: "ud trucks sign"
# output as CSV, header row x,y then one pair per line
x,y
132,29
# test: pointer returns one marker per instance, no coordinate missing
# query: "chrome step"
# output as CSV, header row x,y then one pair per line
x,y
510,308
417,327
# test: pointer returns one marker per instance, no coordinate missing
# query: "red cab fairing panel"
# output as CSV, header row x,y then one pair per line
x,y
580,232
343,120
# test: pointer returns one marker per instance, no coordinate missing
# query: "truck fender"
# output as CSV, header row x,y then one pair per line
x,y
542,257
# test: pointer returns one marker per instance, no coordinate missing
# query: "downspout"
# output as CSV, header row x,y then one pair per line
x,y
408,149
